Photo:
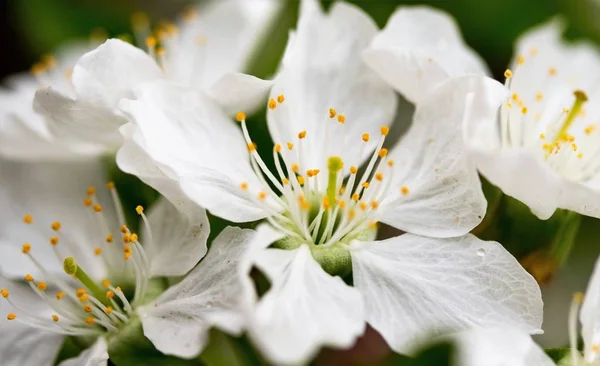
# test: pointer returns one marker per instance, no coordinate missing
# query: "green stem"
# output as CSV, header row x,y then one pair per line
x,y
565,237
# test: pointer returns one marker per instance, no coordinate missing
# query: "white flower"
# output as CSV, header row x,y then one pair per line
x,y
497,347
111,271
206,52
419,48
326,115
24,135
544,148
590,320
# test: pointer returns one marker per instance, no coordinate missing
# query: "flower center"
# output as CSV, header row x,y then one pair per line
x,y
81,305
313,210
553,126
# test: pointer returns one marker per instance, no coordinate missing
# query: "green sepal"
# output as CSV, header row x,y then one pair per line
x,y
562,356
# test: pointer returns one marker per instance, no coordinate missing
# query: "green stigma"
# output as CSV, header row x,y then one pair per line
x,y
580,98
71,268
334,165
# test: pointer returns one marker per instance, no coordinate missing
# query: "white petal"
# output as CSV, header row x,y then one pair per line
x,y
590,316
497,347
416,287
323,69
240,92
444,193
178,322
179,236
96,355
420,47
49,192
70,119
304,309
187,133
230,31
22,344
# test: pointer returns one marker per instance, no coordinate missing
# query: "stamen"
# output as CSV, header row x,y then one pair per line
x,y
573,311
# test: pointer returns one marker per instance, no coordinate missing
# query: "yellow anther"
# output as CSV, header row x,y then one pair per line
x,y
126,238
351,214
160,51
277,147
326,204
55,225
251,146
301,134
342,190
90,320
54,241
539,97
341,118
119,289
353,170
509,105
524,110
124,229
110,185
87,202
365,185
55,318
127,255
97,208
109,238
241,116
384,130
533,51
84,298
80,292
127,249
42,286
342,204
595,348
244,186
589,129
383,152
363,206
60,295
365,137
552,71
508,74
574,147
300,180
295,168
106,283
580,155
315,172
578,297
29,278
390,163
139,209
139,20
542,136
332,113
110,294
11,316
134,237
26,248
355,197
285,181
280,98
38,68
272,104
151,42
374,205
404,190
97,251
379,176
262,195
91,191
28,219
4,292
373,224
290,146
108,310
88,308
520,60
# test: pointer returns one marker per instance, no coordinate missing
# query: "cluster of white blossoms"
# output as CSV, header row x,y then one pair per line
x,y
175,112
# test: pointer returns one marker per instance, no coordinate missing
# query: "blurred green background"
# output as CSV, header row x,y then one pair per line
x,y
31,28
